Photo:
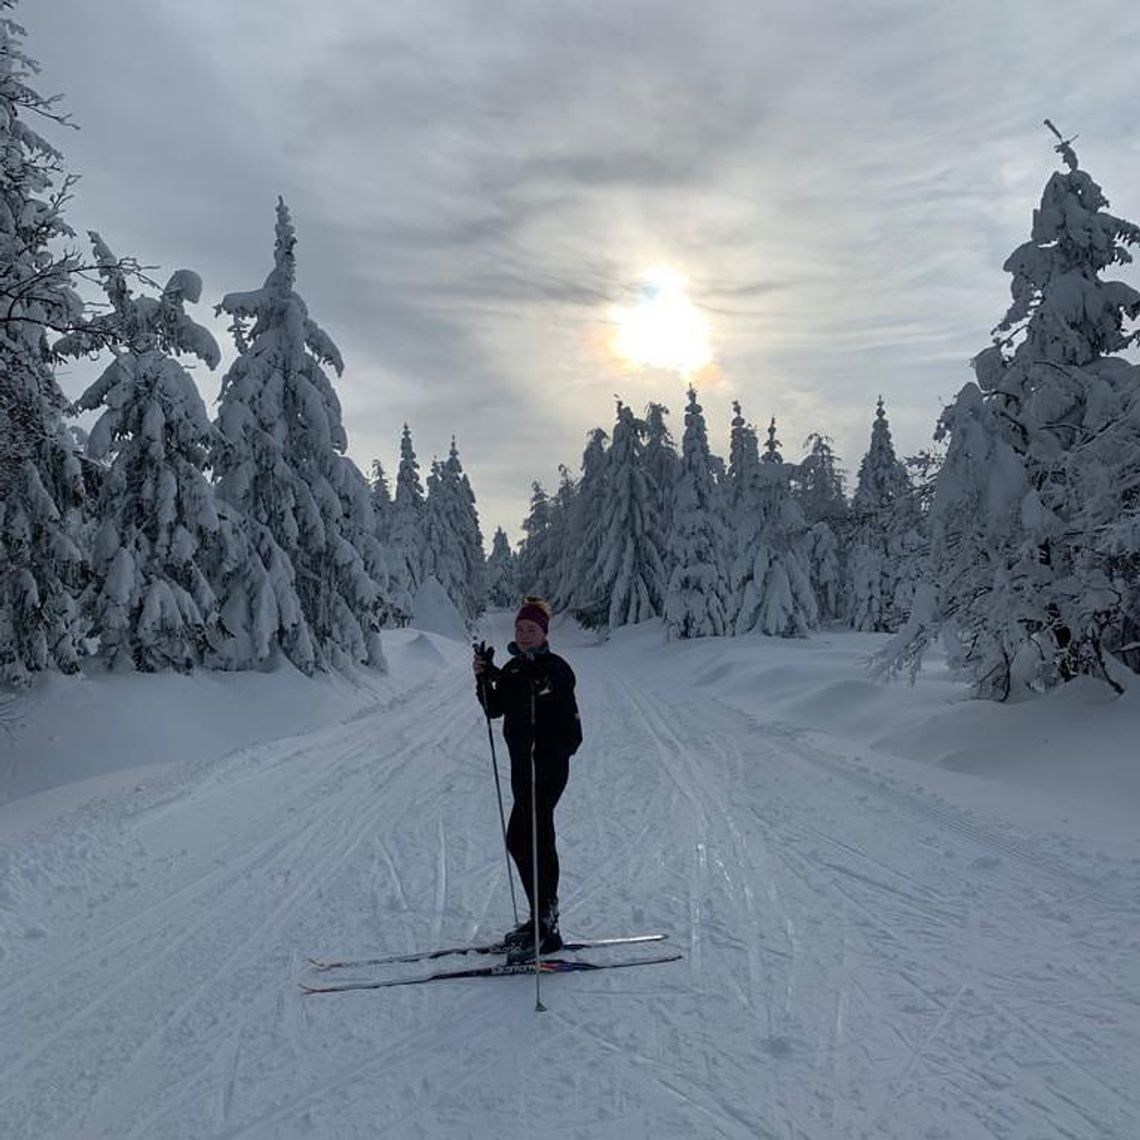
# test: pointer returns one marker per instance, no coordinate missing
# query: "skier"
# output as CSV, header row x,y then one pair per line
x,y
535,682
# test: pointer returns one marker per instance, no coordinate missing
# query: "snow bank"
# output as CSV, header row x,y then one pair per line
x,y
434,611
1078,741
71,738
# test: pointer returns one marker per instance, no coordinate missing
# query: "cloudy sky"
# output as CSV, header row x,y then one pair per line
x,y
478,186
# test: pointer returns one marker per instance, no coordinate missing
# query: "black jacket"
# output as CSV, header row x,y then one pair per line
x,y
506,692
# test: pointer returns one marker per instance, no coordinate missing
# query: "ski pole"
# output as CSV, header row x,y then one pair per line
x,y
499,796
538,1006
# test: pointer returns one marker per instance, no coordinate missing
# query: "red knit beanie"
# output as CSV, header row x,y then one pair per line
x,y
531,611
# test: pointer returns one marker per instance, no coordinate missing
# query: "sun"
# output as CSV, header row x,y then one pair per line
x,y
662,328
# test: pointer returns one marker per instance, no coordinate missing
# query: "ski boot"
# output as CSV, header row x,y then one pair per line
x,y
519,936
549,939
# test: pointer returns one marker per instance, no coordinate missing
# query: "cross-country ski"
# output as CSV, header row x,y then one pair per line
x,y
500,970
323,964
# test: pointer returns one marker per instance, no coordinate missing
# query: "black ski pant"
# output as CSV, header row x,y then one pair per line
x,y
551,774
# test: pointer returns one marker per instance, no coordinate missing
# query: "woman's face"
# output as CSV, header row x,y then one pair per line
x,y
528,634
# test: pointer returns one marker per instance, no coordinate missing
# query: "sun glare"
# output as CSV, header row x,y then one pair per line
x,y
662,328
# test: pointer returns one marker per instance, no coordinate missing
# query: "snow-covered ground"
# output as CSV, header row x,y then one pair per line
x,y
902,913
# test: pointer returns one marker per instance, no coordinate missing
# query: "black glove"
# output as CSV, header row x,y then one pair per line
x,y
486,654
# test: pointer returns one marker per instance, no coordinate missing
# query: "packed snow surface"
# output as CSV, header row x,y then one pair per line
x,y
903,913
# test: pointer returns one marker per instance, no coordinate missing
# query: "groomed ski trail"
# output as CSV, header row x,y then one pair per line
x,y
861,959
897,966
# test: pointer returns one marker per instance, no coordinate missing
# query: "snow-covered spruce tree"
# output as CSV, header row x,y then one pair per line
x,y
562,553
743,459
405,536
697,601
923,469
965,593
772,453
817,486
501,573
825,568
150,604
381,498
771,581
629,571
42,566
886,543
453,543
1117,539
662,464
396,607
1032,574
884,484
584,535
538,569
280,464
741,479
440,559
865,601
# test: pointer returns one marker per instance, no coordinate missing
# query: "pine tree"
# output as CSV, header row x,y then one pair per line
x,y
771,581
743,458
772,445
470,536
1034,537
438,541
502,573
537,560
453,543
662,463
585,533
281,466
396,606
965,594
885,540
818,485
381,497
629,570
697,601
151,603
42,565
562,550
884,484
825,569
406,533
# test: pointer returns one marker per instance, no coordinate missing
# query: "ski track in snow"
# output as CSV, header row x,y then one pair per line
x,y
862,959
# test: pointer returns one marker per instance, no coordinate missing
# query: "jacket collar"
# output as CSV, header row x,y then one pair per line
x,y
530,654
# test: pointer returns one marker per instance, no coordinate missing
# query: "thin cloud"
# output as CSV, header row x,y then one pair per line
x,y
475,182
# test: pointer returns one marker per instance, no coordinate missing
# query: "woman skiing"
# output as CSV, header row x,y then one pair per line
x,y
534,694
